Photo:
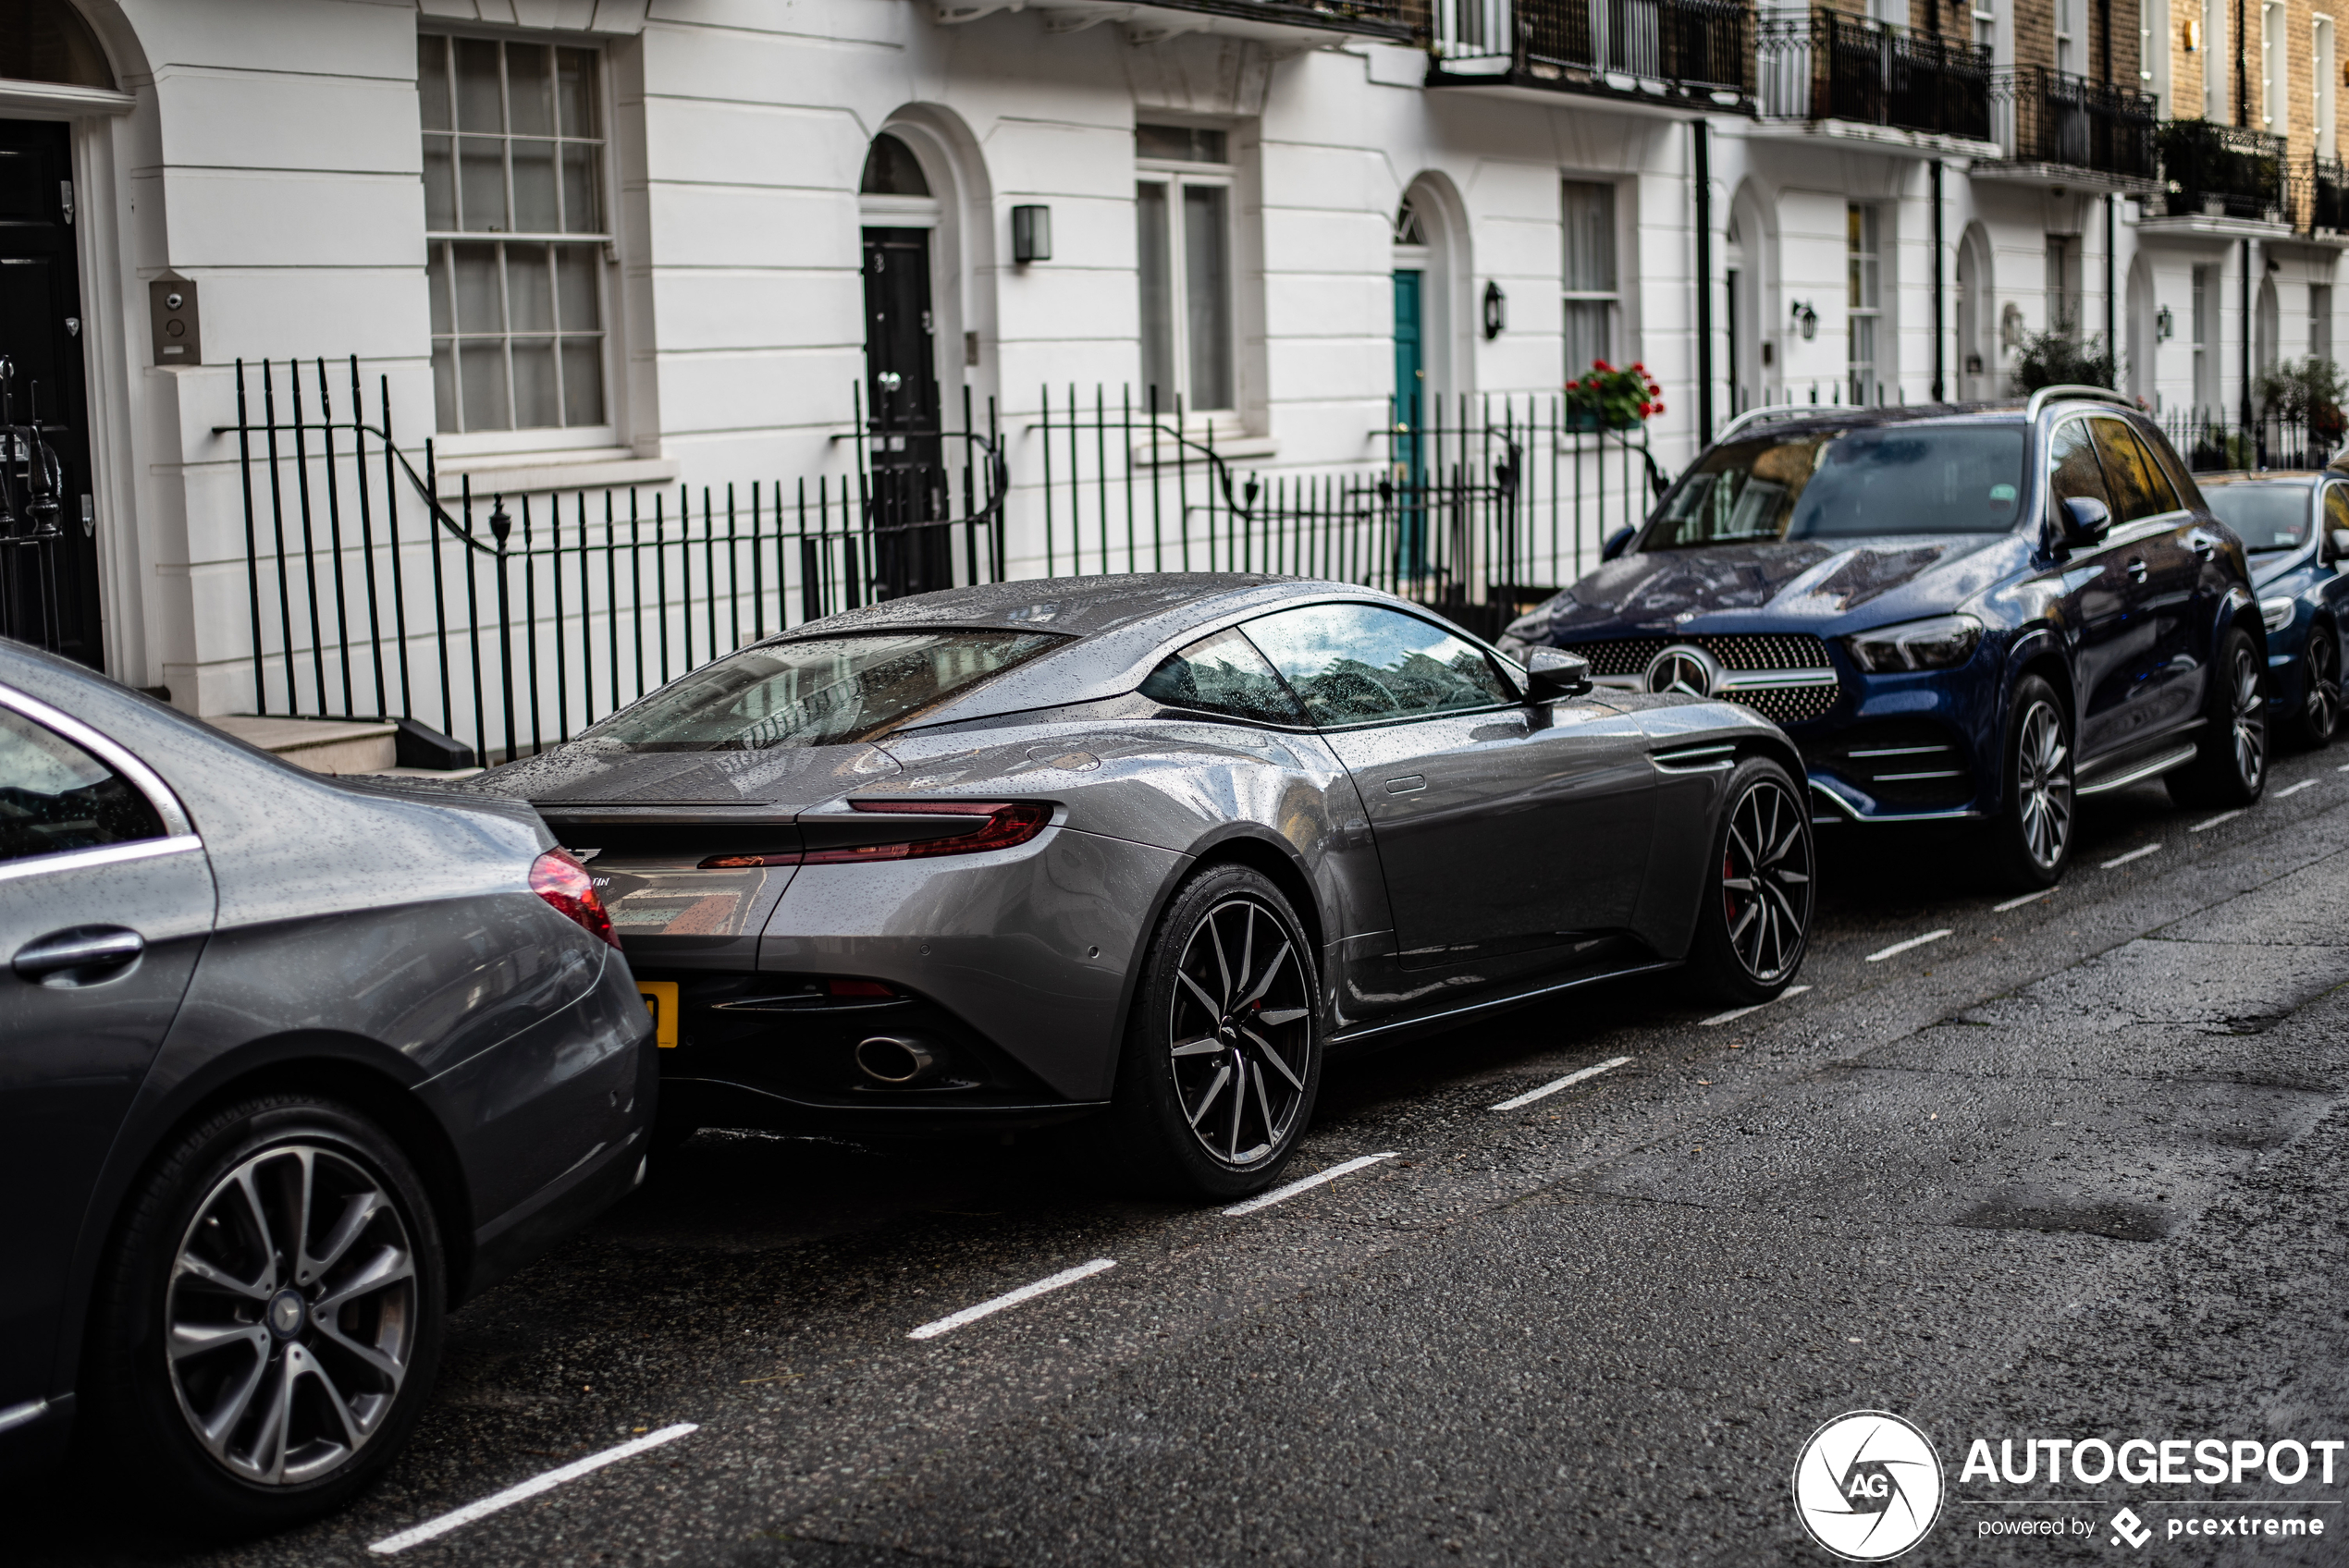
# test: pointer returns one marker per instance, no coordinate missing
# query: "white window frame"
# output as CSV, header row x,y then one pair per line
x,y
2273,105
1612,298
2066,38
1178,175
2201,320
2324,77
1864,277
568,441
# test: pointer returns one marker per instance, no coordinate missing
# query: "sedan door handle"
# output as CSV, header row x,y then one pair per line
x,y
82,955
1406,785
2136,570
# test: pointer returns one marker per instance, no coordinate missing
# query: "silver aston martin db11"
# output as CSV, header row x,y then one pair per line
x,y
1146,850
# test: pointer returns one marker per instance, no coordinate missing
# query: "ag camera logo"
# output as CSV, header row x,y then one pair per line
x,y
1867,1486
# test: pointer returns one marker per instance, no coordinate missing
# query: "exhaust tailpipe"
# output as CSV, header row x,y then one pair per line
x,y
896,1061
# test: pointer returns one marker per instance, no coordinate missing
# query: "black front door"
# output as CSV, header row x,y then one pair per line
x,y
900,383
48,585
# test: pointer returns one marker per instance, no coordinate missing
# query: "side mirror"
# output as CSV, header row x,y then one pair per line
x,y
2085,521
2340,543
1552,674
1616,543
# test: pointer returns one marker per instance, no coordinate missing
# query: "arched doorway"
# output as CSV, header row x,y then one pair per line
x,y
1753,371
2267,334
48,589
1976,301
902,403
2142,371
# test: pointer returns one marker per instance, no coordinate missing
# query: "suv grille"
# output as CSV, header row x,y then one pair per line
x,y
1737,653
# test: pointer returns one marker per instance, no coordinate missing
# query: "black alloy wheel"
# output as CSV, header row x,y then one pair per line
x,y
2033,829
2229,766
269,1319
1222,1061
1755,923
2319,713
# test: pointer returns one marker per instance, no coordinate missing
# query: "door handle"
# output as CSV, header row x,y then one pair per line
x,y
1406,784
2202,544
81,955
2137,569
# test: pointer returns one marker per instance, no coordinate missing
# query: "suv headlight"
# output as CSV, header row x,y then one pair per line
x,y
1939,643
2278,613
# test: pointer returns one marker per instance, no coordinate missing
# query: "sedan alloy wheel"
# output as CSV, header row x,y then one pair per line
x,y
290,1316
2250,732
1241,1026
1765,881
2320,707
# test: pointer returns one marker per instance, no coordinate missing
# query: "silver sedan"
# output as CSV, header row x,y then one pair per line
x,y
1145,850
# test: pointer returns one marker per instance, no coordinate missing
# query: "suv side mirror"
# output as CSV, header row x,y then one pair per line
x,y
2085,521
1552,674
1616,543
2340,544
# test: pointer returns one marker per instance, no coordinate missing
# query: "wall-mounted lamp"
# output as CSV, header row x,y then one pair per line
x,y
1031,234
2165,326
1806,320
1496,312
2193,36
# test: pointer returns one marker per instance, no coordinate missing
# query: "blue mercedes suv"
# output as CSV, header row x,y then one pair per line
x,y
1960,614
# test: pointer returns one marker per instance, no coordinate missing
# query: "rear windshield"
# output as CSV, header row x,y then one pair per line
x,y
818,691
2274,515
1903,479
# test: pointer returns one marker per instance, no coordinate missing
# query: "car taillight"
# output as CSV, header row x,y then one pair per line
x,y
1005,825
564,882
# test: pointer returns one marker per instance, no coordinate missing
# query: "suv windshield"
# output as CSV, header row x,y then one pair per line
x,y
816,691
1843,484
2271,516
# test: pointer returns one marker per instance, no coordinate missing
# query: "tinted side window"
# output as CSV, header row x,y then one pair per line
x,y
1223,673
2139,487
2072,469
2336,507
54,796
1354,663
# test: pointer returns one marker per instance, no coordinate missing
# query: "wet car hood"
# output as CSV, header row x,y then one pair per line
x,y
2268,566
1866,581
599,773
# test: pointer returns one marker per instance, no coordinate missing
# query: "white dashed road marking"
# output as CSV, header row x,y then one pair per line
x,y
1282,1195
2132,854
1735,1013
1566,1083
2304,784
2222,816
2018,903
1904,947
1026,1292
529,1488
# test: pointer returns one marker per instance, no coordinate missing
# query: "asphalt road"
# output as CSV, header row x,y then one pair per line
x,y
2068,1169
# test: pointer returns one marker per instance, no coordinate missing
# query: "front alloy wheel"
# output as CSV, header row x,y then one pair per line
x,y
290,1316
2043,787
1241,1028
1766,882
2319,713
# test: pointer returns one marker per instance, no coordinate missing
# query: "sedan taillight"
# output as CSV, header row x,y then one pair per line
x,y
564,882
999,827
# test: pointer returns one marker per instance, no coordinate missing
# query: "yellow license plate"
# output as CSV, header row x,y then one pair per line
x,y
660,1000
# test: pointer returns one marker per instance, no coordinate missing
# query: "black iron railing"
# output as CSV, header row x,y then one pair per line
x,y
31,515
1828,65
1652,48
2223,171
2320,196
1394,20
2215,443
2046,116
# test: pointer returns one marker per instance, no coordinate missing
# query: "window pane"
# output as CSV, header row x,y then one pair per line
x,y
438,284
481,166
575,302
1207,294
574,91
1179,143
1587,335
582,211
529,92
1901,479
534,209
54,796
1355,663
2137,490
537,393
583,380
1158,305
1589,236
530,290
1223,674
444,386
432,81
482,367
2267,515
440,185
478,106
2071,464
480,305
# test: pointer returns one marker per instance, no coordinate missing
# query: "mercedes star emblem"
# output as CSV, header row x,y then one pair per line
x,y
1684,668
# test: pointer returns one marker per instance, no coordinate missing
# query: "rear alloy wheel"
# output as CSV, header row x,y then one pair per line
x,y
2229,766
2319,713
1756,922
269,1320
2034,823
1223,1062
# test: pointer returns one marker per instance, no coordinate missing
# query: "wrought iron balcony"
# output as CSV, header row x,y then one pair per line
x,y
2320,200
1668,49
2223,171
2045,116
1828,65
1397,21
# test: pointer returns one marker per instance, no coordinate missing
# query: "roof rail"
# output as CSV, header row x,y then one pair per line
x,y
2046,395
1768,411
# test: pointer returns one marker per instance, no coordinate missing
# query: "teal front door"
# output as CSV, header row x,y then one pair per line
x,y
1410,420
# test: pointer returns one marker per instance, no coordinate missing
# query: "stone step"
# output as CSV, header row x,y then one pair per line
x,y
322,745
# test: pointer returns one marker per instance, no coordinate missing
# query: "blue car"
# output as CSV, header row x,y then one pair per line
x,y
2296,528
1960,614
